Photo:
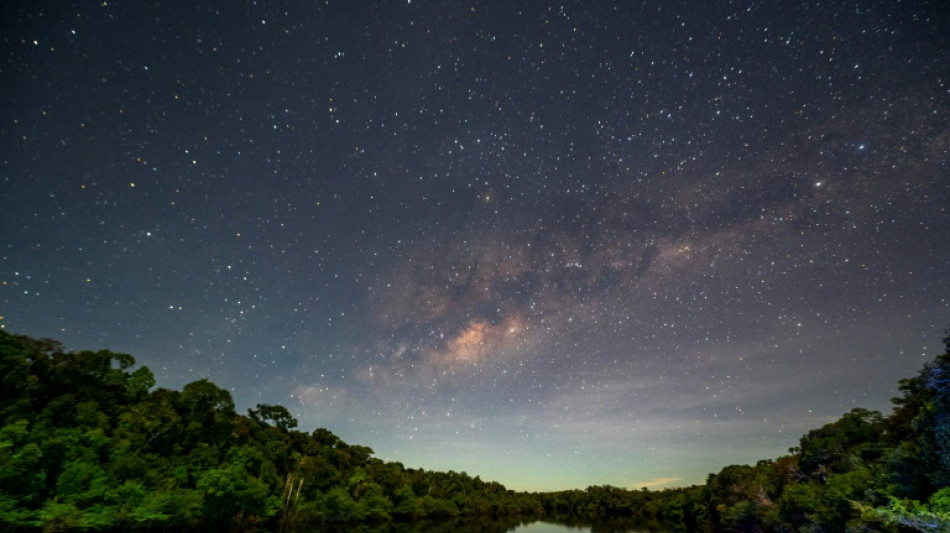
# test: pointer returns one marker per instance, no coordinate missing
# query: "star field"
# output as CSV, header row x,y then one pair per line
x,y
550,244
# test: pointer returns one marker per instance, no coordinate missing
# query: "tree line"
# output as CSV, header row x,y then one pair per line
x,y
88,443
865,472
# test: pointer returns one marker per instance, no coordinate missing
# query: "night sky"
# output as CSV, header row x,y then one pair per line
x,y
549,244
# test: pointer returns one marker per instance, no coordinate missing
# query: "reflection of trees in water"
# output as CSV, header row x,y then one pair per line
x,y
448,525
497,525
624,525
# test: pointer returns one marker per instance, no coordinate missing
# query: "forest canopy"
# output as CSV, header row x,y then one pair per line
x,y
88,442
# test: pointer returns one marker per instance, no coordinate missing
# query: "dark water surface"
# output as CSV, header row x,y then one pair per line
x,y
493,525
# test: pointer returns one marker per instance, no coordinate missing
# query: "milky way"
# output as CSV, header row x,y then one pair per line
x,y
553,245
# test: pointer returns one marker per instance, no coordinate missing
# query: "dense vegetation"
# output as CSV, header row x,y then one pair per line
x,y
863,473
87,442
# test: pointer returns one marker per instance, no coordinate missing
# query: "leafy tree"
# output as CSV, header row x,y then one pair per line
x,y
405,504
829,448
231,492
278,415
86,443
377,506
339,506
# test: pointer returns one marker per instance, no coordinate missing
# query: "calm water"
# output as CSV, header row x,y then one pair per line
x,y
611,527
492,525
548,527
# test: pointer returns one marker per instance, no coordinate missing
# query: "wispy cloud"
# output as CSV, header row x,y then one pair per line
x,y
657,482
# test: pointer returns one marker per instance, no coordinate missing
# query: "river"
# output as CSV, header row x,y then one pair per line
x,y
492,525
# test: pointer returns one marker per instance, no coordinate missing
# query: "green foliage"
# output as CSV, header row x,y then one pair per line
x,y
232,492
405,504
862,473
940,501
276,414
338,506
904,515
377,506
86,443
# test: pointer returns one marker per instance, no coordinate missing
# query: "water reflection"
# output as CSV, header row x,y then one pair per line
x,y
550,527
618,525
493,525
